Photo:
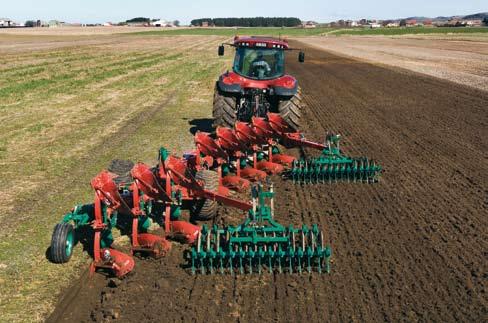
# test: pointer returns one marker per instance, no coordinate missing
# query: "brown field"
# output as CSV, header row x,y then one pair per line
x,y
410,248
76,31
462,59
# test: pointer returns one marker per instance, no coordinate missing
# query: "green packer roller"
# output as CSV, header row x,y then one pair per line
x,y
260,244
334,166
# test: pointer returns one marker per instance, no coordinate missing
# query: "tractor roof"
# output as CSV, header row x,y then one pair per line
x,y
259,41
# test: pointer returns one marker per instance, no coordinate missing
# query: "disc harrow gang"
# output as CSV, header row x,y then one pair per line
x,y
333,166
260,244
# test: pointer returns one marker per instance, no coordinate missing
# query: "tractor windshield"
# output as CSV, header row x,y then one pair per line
x,y
259,63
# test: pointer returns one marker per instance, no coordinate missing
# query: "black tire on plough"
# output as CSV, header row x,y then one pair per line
x,y
62,242
206,209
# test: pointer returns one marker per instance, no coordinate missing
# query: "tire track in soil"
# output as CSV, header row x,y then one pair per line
x,y
412,247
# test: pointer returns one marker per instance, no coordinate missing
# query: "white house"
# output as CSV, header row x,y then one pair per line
x,y
6,22
309,24
472,23
375,25
56,23
162,23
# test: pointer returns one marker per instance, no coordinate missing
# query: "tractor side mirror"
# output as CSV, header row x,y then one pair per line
x,y
221,50
301,57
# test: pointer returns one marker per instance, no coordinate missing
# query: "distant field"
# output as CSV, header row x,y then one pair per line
x,y
269,31
460,58
410,31
229,32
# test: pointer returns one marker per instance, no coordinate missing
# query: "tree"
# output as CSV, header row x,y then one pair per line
x,y
403,23
176,23
138,20
30,23
485,21
249,22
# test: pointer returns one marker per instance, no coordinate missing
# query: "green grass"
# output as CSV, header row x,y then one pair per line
x,y
65,114
410,31
263,31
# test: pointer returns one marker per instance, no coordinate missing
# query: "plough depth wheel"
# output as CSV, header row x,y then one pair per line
x,y
62,242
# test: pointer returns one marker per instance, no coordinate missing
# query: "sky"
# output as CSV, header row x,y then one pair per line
x,y
93,11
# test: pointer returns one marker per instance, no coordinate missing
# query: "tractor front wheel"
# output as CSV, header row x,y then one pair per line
x,y
206,209
290,110
62,243
224,110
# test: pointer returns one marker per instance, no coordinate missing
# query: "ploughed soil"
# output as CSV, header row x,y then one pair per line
x,y
412,247
462,59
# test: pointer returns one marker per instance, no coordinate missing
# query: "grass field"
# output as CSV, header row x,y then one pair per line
x,y
297,32
410,31
65,113
240,31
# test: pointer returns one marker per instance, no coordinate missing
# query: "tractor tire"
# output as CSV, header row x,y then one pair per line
x,y
62,243
122,169
206,209
224,110
290,110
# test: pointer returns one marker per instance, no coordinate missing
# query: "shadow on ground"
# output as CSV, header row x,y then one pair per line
x,y
204,125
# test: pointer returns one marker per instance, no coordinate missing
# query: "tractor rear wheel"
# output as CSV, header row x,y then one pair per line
x,y
224,110
62,242
290,110
206,209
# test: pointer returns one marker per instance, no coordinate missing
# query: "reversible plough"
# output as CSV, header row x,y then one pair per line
x,y
257,111
251,151
155,194
260,243
231,159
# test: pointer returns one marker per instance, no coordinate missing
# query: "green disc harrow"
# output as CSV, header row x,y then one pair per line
x,y
333,166
260,244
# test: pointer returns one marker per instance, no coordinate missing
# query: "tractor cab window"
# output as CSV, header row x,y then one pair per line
x,y
259,63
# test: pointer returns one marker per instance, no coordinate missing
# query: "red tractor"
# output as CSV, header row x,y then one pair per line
x,y
257,84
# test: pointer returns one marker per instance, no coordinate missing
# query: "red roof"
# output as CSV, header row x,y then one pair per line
x,y
253,40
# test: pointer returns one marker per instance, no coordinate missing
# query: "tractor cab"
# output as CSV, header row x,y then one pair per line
x,y
260,58
257,83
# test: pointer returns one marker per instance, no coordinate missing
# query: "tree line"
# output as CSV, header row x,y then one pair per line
x,y
248,22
